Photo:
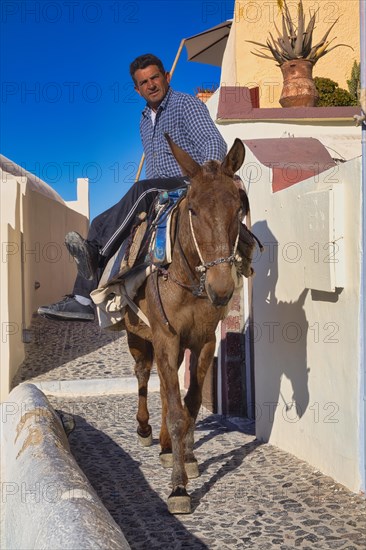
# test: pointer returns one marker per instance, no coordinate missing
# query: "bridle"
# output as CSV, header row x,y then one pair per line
x,y
204,266
199,290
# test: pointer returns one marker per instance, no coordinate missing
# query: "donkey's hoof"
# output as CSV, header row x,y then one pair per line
x,y
192,470
166,459
179,502
145,440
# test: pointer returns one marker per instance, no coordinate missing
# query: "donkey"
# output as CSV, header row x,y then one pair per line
x,y
184,304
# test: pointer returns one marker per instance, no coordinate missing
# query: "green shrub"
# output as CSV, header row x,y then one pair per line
x,y
331,95
355,81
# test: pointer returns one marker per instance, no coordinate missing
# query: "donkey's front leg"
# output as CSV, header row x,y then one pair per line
x,y
193,400
177,421
166,456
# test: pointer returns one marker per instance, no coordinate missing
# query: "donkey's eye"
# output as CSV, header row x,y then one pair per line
x,y
192,211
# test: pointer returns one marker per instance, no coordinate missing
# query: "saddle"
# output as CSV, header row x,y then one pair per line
x,y
147,248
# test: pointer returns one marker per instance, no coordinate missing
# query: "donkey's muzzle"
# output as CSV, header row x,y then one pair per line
x,y
219,299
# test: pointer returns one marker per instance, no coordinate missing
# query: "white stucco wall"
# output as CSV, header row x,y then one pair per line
x,y
306,341
35,267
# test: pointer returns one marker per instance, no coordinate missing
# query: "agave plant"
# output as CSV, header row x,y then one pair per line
x,y
296,42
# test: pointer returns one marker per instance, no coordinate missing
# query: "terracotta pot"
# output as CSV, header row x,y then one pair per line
x,y
298,85
204,96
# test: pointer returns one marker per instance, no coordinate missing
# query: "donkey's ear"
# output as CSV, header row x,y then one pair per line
x,y
188,166
234,159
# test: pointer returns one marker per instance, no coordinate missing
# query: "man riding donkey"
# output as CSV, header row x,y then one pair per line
x,y
187,121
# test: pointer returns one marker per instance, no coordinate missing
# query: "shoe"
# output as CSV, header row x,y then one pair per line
x,y
68,309
84,254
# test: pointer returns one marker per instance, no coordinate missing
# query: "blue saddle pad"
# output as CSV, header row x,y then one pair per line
x,y
166,202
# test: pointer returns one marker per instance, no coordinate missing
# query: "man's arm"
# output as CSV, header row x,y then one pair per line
x,y
202,130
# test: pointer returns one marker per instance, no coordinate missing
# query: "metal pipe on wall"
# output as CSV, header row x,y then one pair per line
x,y
363,278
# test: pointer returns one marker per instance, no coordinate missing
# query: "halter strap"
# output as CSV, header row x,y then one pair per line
x,y
206,265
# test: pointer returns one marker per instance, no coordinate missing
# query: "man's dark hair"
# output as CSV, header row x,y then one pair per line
x,y
144,61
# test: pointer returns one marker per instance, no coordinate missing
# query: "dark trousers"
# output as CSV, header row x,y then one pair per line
x,y
108,230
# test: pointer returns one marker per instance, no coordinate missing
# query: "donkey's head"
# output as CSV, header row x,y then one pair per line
x,y
214,210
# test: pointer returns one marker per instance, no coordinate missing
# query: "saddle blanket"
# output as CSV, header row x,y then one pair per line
x,y
160,249
138,256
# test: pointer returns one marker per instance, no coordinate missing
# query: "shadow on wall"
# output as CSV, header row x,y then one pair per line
x,y
279,332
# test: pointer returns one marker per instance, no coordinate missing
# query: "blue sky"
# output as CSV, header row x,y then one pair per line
x,y
68,108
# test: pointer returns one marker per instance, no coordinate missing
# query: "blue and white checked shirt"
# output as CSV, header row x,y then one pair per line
x,y
187,120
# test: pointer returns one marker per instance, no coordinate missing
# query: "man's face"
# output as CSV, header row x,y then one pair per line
x,y
152,85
